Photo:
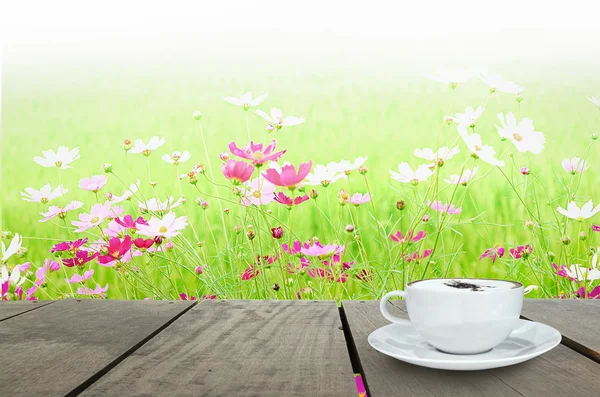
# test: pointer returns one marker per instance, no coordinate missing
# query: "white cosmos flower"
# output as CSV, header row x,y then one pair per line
x,y
406,174
177,157
469,117
246,101
258,192
324,175
575,165
462,179
61,158
155,205
167,227
146,148
478,149
442,153
127,194
13,247
276,118
530,288
574,212
451,77
44,195
497,83
347,166
523,135
14,278
595,101
581,273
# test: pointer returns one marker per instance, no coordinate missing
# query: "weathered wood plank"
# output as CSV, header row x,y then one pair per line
x,y
240,348
577,320
11,309
62,347
559,372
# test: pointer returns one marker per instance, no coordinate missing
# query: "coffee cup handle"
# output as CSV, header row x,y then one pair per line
x,y
386,313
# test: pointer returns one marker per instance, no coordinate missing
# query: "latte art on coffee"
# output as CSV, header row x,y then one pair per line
x,y
464,284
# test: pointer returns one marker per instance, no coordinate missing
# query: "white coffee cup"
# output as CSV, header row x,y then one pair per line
x,y
459,319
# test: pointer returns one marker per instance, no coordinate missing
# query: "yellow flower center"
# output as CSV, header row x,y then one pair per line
x,y
163,229
258,155
257,194
517,137
94,219
58,163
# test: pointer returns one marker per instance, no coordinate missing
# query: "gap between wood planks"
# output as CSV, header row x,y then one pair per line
x,y
34,307
352,352
91,380
575,346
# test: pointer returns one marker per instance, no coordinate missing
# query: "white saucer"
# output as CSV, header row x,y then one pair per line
x,y
403,342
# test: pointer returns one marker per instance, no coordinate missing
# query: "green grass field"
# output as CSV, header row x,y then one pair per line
x,y
348,115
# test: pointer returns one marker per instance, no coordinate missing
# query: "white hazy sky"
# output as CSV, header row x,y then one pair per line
x,y
462,30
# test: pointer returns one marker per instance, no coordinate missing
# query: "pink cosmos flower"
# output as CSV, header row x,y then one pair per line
x,y
281,198
258,192
61,212
303,291
209,297
129,223
143,244
185,297
493,253
322,251
80,259
116,248
358,199
167,227
562,272
256,153
98,291
295,248
416,256
525,171
237,172
288,177
24,267
444,208
522,251
293,268
593,294
410,237
575,165
114,229
98,213
93,184
69,245
76,278
250,272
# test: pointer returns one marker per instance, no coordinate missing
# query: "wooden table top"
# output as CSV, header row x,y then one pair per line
x,y
262,348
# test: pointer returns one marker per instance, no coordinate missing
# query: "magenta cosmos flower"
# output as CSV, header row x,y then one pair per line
x,y
237,172
562,271
81,258
493,253
522,251
93,184
596,228
250,272
69,245
117,248
416,256
256,153
288,177
285,200
410,237
444,208
593,294
129,223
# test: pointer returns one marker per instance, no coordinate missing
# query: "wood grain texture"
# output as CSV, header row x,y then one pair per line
x,y
577,320
559,372
54,350
9,309
240,348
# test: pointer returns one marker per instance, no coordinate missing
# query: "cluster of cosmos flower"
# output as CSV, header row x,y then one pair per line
x,y
151,232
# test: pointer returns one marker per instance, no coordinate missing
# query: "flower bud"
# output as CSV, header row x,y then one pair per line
x,y
108,196
301,188
529,225
551,255
425,218
566,240
204,205
153,184
169,245
198,270
594,137
277,232
6,234
448,119
363,169
226,211
356,237
343,196
583,236
519,97
270,128
276,287
21,252
127,144
349,228
107,168
525,171
313,194
400,205
237,229
200,244
250,234
158,240
197,115
236,191
224,157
